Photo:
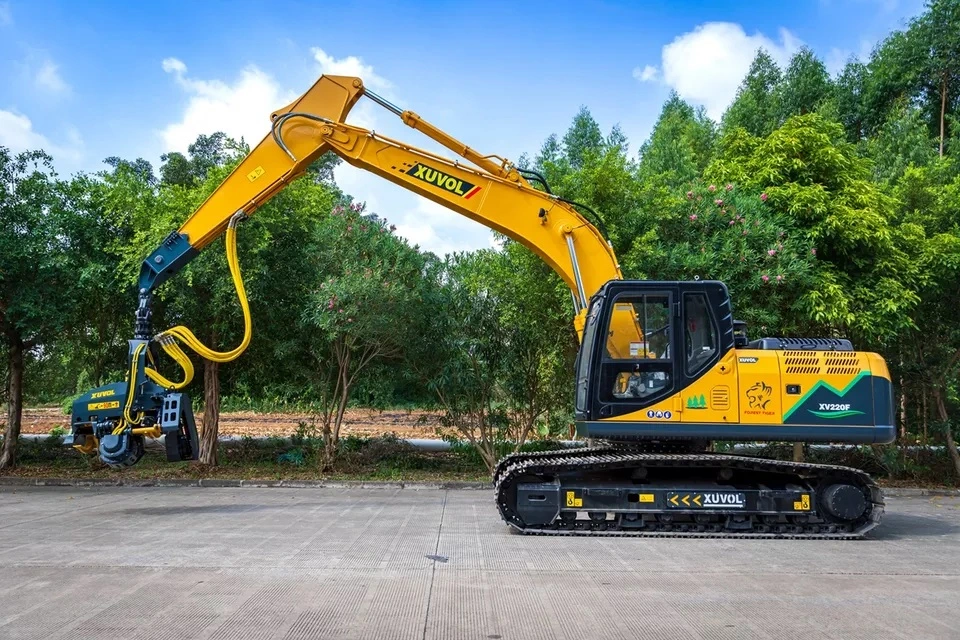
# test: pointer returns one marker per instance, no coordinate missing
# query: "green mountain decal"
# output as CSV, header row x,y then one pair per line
x,y
821,383
835,414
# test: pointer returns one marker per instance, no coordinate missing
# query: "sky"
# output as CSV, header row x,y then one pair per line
x,y
93,79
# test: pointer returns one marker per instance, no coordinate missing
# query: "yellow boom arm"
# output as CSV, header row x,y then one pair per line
x,y
491,192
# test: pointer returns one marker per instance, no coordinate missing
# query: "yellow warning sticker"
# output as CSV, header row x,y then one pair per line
x,y
803,504
256,173
645,497
573,500
96,406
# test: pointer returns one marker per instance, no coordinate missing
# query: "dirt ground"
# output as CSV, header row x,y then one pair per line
x,y
358,422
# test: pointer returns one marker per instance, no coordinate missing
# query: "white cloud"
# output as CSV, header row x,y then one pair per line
x,y
349,66
422,222
706,65
6,16
48,78
837,59
646,74
173,65
17,134
241,109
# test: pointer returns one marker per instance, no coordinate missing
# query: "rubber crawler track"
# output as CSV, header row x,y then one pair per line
x,y
597,458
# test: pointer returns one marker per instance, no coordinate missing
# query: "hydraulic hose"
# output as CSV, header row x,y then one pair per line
x,y
187,336
168,338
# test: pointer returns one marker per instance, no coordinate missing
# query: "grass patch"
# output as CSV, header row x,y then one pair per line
x,y
389,458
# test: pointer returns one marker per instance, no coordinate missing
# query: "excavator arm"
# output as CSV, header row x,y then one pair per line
x,y
490,192
114,419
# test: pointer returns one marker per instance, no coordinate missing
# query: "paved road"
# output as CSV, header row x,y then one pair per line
x,y
286,563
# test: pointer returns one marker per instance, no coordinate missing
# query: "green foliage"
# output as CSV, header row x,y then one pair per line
x,y
756,107
828,206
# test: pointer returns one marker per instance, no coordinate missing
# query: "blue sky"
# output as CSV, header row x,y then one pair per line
x,y
87,80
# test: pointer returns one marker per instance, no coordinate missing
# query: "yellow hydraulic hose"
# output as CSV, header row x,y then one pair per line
x,y
168,339
176,353
131,384
187,336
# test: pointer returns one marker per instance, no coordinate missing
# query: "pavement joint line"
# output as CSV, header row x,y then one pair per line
x,y
454,485
433,572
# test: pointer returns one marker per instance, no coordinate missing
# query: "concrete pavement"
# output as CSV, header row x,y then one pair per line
x,y
170,563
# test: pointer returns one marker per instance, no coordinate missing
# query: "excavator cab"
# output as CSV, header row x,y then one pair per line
x,y
645,341
666,361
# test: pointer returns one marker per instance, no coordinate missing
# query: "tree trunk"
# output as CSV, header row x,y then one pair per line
x,y
211,413
798,452
903,409
8,455
924,396
943,111
948,430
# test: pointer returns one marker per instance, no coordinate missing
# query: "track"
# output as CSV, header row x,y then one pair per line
x,y
580,462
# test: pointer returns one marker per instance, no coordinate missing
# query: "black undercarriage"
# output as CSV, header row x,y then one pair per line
x,y
615,491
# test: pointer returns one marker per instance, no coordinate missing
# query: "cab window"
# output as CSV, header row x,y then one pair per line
x,y
700,332
638,363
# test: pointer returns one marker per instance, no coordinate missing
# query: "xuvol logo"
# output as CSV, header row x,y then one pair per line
x,y
445,181
833,411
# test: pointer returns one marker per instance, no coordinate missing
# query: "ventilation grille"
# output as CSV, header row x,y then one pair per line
x,y
803,369
720,398
841,359
845,371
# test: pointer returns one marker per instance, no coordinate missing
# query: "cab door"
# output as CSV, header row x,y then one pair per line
x,y
636,350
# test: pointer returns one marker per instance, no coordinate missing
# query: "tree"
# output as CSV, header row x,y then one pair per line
x,y
680,146
36,269
756,107
805,85
938,33
461,355
903,140
583,139
930,348
849,96
361,311
810,173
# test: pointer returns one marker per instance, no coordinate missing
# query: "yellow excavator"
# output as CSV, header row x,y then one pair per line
x,y
663,367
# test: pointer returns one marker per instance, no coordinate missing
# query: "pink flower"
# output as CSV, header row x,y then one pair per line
x,y
763,197
729,187
733,222
689,195
712,188
349,319
765,278
772,252
693,217
330,305
393,227
779,278
718,202
745,232
339,310
813,252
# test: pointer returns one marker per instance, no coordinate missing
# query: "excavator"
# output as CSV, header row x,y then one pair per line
x,y
663,368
